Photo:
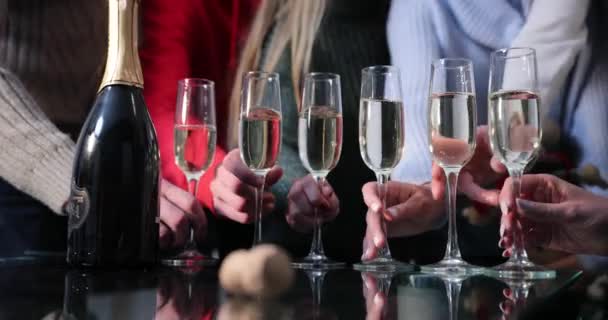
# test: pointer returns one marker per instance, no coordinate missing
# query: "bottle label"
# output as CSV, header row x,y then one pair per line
x,y
77,207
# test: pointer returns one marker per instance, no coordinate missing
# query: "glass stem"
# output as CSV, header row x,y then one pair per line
x,y
519,251
316,249
382,178
259,202
193,186
191,243
452,251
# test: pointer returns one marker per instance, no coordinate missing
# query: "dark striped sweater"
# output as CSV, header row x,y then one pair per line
x,y
51,60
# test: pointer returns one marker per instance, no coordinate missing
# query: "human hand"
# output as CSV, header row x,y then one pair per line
x,y
483,169
305,196
234,189
411,210
554,214
178,210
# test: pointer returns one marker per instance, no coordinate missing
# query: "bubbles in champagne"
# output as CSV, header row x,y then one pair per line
x,y
260,138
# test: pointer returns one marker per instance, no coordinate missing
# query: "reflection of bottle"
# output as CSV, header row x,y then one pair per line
x,y
113,208
103,295
75,296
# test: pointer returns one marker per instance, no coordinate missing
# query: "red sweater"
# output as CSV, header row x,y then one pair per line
x,y
190,38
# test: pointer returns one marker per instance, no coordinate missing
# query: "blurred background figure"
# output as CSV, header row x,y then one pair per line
x,y
293,38
201,39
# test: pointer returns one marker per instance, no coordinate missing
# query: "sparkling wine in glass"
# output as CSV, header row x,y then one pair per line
x,y
320,145
260,132
515,135
452,125
194,138
381,142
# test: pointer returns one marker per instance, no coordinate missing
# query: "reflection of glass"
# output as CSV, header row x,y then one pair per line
x,y
516,297
320,145
452,290
103,295
185,296
452,122
376,291
316,278
381,142
260,132
194,145
515,135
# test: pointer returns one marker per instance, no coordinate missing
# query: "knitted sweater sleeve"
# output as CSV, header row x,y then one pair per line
x,y
35,156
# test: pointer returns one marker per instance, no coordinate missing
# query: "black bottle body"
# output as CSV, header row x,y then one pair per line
x,y
114,206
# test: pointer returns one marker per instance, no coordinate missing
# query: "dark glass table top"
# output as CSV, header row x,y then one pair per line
x,y
43,290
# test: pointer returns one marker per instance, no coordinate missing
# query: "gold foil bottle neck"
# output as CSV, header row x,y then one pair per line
x,y
122,64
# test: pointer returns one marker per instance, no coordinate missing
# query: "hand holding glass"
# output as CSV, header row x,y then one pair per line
x,y
381,142
194,147
320,145
452,123
260,132
515,135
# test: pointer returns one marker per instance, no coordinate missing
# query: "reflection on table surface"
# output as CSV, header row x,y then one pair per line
x,y
56,292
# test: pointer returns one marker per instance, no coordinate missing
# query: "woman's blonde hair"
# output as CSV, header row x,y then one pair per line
x,y
293,22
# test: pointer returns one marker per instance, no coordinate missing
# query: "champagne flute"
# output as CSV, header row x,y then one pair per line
x,y
194,138
320,145
260,132
452,125
515,135
381,142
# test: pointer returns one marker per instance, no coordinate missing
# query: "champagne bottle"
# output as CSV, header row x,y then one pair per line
x,y
114,204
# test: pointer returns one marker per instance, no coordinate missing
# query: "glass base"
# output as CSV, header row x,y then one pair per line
x,y
189,258
454,267
317,262
521,269
388,265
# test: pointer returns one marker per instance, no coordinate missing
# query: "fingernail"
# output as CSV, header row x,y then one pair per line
x,y
378,241
393,212
376,207
365,254
506,254
377,299
501,243
504,208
